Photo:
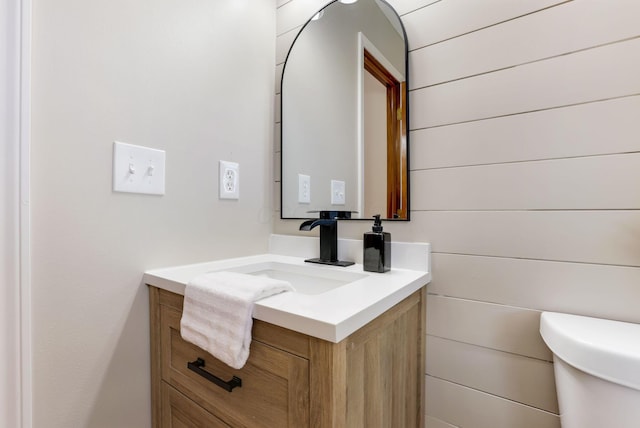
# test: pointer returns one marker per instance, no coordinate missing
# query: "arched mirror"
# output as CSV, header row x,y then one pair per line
x,y
344,114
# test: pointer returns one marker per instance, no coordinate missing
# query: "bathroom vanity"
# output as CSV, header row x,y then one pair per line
x,y
374,377
350,355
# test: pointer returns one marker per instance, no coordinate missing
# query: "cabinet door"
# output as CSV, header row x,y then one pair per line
x,y
180,412
384,370
275,383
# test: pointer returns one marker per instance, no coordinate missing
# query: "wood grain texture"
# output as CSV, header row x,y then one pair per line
x,y
385,367
378,371
178,411
327,383
375,377
288,340
265,398
156,351
275,383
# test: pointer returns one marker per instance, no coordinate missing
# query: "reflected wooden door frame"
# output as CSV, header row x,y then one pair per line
x,y
396,152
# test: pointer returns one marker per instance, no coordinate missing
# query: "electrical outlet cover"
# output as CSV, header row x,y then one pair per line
x,y
229,180
338,192
304,189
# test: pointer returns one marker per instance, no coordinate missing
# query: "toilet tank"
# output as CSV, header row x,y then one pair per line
x,y
597,370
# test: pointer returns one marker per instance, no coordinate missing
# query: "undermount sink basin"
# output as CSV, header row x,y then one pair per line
x,y
305,279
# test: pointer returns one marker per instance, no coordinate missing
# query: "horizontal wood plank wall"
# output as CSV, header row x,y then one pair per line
x,y
432,422
525,173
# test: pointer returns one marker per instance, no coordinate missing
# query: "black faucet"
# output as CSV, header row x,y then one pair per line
x,y
328,223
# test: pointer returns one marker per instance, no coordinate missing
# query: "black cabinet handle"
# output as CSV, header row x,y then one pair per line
x,y
197,366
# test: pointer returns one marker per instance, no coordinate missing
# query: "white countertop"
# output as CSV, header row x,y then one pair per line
x,y
332,315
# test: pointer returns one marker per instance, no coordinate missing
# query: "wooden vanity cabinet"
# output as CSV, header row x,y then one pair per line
x,y
373,378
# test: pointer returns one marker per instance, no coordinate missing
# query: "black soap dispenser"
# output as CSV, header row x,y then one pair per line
x,y
377,248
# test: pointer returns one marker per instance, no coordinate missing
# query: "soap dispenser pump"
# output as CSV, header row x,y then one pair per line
x,y
377,248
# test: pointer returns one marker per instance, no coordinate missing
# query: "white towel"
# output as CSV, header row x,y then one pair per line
x,y
218,309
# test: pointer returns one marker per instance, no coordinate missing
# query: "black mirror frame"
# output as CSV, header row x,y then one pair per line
x,y
407,120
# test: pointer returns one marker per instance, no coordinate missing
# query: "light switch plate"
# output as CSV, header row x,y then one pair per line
x,y
304,189
138,169
337,192
229,180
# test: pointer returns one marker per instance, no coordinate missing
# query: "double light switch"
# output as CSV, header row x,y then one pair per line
x,y
138,169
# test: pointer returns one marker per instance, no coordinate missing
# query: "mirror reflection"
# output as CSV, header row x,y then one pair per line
x,y
344,114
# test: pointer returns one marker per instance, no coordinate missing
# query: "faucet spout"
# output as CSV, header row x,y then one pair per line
x,y
310,224
328,239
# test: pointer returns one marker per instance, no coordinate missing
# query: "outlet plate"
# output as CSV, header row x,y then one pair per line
x,y
338,192
138,169
304,189
229,180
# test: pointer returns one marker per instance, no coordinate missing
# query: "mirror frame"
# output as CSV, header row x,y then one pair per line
x,y
407,118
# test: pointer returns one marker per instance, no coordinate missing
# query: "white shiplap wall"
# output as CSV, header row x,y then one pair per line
x,y
525,174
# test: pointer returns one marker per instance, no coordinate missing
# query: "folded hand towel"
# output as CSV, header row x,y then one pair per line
x,y
218,308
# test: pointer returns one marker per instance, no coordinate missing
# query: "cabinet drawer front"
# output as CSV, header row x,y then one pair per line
x,y
281,338
180,412
275,384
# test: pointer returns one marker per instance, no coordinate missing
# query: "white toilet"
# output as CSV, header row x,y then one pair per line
x,y
597,370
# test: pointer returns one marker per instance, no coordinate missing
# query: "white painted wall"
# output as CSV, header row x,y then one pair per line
x,y
194,78
524,171
9,214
